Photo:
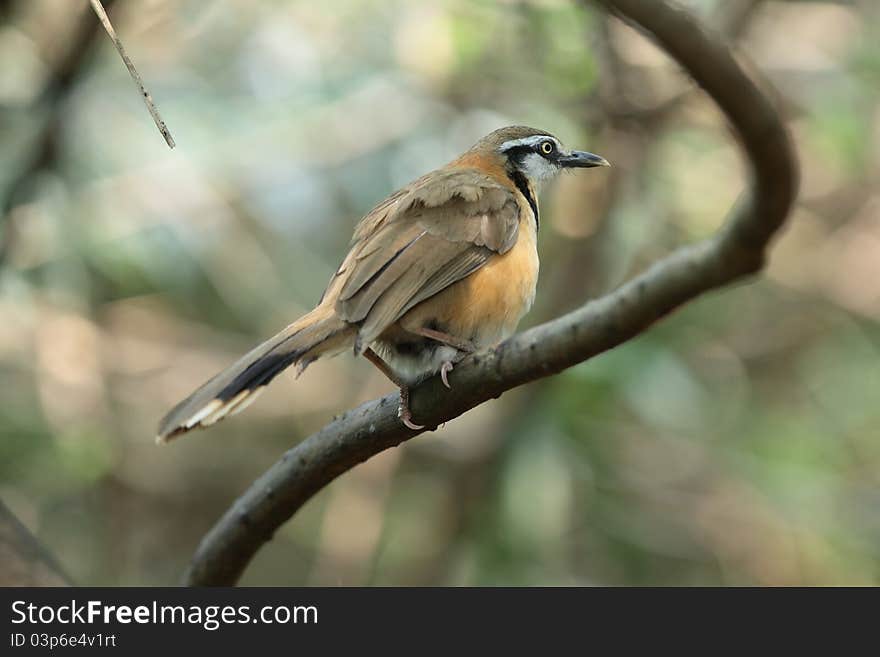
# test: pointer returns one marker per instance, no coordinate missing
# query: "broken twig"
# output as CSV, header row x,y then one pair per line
x,y
148,99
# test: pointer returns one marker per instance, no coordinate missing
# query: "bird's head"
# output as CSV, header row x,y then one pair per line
x,y
536,154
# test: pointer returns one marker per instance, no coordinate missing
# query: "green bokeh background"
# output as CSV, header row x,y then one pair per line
x,y
735,443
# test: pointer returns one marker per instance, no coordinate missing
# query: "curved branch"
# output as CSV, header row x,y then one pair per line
x,y
737,250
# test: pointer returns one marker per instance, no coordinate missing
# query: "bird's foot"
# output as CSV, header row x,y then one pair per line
x,y
404,413
445,369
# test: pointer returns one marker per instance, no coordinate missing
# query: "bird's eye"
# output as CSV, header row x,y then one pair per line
x,y
547,147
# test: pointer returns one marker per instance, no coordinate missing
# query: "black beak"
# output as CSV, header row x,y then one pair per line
x,y
583,160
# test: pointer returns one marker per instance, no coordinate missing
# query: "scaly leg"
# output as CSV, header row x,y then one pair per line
x,y
458,343
403,411
464,346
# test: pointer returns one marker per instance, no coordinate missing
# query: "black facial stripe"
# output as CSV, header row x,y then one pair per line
x,y
523,185
517,154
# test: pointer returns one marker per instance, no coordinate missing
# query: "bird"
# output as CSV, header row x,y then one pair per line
x,y
445,266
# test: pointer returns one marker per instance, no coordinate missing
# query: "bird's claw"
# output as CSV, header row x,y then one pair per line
x,y
445,369
403,411
405,414
406,417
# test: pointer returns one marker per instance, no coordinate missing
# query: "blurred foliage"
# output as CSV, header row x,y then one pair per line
x,y
737,442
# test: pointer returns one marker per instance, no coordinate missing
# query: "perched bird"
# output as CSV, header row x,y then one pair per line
x,y
443,267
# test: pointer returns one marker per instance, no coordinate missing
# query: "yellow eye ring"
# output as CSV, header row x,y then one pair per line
x,y
547,148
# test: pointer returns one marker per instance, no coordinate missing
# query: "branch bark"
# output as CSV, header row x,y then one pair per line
x,y
736,251
23,560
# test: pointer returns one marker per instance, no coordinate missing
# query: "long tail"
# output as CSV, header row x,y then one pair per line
x,y
316,334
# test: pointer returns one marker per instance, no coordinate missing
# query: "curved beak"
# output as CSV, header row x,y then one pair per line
x,y
583,160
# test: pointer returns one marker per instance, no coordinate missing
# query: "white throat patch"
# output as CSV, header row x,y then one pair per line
x,y
537,169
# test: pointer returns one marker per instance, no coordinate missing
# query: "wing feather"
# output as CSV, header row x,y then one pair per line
x,y
426,237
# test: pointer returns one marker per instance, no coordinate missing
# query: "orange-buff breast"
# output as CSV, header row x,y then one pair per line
x,y
486,306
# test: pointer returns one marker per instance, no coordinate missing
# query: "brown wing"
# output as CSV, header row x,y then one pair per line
x,y
426,237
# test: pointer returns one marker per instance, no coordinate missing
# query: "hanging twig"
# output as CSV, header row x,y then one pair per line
x,y
148,99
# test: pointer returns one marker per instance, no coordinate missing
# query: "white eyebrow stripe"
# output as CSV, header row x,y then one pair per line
x,y
528,141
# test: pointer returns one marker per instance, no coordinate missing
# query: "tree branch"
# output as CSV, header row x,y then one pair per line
x,y
737,250
23,560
